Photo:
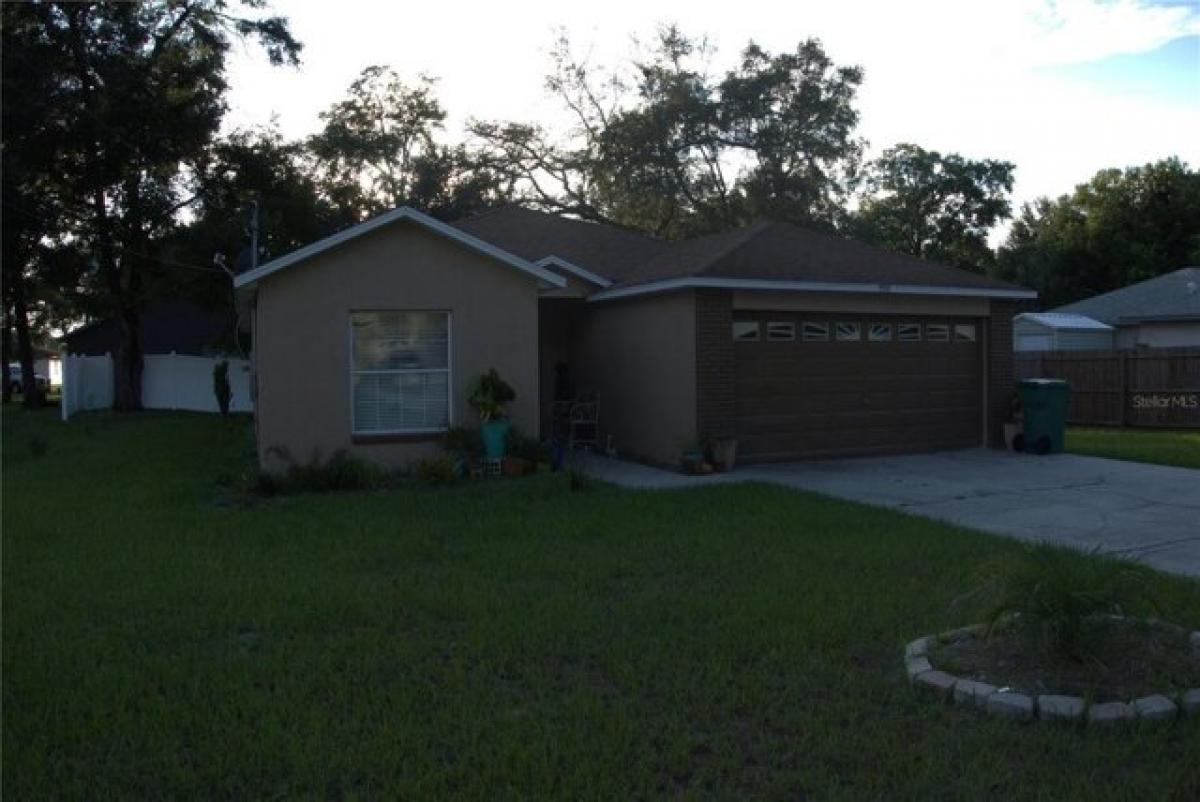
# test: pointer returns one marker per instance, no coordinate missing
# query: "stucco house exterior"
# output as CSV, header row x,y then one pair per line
x,y
1162,312
799,344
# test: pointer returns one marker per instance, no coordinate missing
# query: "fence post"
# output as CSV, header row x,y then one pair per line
x,y
1123,417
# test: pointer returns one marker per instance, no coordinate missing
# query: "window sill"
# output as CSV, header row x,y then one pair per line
x,y
416,437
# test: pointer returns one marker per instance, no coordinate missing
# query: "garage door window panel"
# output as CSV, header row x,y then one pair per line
x,y
848,332
745,331
880,332
937,332
909,332
814,331
964,332
781,331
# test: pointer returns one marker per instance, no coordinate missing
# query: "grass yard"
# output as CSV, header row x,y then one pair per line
x,y
506,639
1179,447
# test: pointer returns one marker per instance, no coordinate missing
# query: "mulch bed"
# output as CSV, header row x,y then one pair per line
x,y
1125,660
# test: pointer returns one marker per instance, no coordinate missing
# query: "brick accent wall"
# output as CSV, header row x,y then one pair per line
x,y
1000,375
715,400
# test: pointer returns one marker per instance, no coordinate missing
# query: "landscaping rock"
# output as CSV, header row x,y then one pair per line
x,y
1060,708
918,648
937,682
916,666
972,692
1154,708
1107,714
1007,703
1189,702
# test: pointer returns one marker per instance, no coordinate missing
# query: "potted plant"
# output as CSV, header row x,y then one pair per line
x,y
724,453
1014,427
489,395
692,460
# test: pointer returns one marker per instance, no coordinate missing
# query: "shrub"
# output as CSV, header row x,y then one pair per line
x,y
528,448
1062,598
463,441
221,387
437,471
489,394
577,480
342,471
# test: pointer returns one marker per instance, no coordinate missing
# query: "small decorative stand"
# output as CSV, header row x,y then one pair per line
x,y
492,467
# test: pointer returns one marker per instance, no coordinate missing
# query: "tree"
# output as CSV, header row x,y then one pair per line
x,y
370,150
138,98
671,149
932,206
1121,227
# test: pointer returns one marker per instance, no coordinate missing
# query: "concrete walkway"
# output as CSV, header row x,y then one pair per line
x,y
1150,512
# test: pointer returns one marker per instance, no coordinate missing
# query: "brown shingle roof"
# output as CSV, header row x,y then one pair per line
x,y
783,252
764,251
606,250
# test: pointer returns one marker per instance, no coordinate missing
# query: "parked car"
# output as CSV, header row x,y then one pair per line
x,y
16,379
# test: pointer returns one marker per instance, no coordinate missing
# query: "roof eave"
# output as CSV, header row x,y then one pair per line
x,y
469,241
703,282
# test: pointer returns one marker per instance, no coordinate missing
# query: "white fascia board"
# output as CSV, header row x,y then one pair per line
x,y
387,218
583,273
701,282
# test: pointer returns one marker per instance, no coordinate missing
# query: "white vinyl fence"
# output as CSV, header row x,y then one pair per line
x,y
169,381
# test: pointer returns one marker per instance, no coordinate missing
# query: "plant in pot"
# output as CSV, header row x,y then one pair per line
x,y
489,395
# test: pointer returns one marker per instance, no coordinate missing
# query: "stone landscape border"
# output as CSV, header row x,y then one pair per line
x,y
1000,701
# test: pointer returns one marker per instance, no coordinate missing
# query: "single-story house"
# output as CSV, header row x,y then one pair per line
x,y
1161,312
799,344
1059,331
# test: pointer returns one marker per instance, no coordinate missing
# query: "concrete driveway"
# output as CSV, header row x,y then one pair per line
x,y
1151,512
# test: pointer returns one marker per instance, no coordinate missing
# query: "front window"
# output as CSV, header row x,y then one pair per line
x,y
400,372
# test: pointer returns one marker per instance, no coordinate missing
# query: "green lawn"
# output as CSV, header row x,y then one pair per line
x,y
506,639
1180,447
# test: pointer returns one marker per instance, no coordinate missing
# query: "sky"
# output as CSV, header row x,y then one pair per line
x,y
1061,89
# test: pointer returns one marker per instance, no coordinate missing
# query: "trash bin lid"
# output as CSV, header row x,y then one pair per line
x,y
1043,383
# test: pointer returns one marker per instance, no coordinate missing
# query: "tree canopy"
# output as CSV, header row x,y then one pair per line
x,y
936,207
1121,227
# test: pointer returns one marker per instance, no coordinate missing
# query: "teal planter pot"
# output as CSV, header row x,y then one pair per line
x,y
494,433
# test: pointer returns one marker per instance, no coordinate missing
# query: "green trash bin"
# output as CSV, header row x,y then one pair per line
x,y
1044,404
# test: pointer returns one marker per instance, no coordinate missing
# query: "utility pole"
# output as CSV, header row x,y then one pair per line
x,y
253,234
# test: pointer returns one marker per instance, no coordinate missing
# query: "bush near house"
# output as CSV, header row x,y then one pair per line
x,y
492,640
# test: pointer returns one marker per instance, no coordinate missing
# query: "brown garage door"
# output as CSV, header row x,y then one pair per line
x,y
813,385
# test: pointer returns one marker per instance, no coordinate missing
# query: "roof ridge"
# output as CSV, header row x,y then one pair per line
x,y
744,236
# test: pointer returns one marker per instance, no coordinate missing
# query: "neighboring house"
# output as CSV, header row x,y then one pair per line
x,y
799,344
180,327
1057,331
1160,312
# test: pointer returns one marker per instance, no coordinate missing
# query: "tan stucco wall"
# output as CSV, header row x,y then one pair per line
x,y
639,356
1159,335
302,330
891,303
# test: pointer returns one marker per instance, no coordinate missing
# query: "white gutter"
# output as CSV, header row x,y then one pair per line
x,y
583,273
701,282
387,218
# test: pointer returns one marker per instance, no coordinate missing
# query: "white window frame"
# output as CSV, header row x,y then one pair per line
x,y
871,329
740,339
786,328
837,331
448,370
912,326
804,334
